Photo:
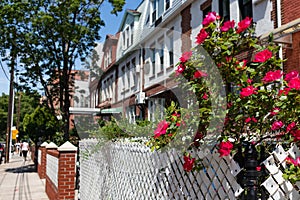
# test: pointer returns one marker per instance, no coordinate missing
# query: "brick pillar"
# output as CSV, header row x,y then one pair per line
x,y
51,189
67,171
42,160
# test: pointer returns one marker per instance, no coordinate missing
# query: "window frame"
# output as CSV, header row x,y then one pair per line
x,y
245,7
224,5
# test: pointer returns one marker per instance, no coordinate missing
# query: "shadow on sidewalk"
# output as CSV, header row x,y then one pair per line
x,y
23,169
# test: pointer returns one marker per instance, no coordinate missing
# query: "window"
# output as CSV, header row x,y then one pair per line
x,y
167,4
131,33
111,87
161,55
171,49
124,39
158,8
127,37
134,77
153,11
245,8
107,58
206,11
123,77
130,114
81,101
156,109
224,10
128,74
206,7
152,52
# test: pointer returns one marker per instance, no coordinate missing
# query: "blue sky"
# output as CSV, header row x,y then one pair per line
x,y
112,23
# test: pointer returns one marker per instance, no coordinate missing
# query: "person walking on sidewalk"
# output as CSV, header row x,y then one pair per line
x,y
24,149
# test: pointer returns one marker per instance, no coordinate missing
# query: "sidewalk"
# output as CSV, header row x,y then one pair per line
x,y
20,181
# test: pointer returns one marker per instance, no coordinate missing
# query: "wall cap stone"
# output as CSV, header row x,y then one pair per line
x,y
44,144
67,146
51,145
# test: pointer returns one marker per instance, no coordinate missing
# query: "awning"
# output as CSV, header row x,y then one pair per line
x,y
112,110
283,34
84,111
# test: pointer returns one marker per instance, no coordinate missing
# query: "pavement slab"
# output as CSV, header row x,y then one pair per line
x,y
20,181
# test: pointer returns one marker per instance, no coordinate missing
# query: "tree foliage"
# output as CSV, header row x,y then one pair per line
x,y
24,103
49,37
41,125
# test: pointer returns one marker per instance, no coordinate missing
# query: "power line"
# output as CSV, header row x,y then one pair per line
x,y
3,70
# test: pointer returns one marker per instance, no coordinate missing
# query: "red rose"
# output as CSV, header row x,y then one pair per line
x,y
277,125
227,26
244,24
294,83
289,76
199,74
263,56
296,135
290,127
254,119
248,120
275,111
180,69
202,35
186,56
205,96
247,91
225,148
176,114
161,128
284,91
258,168
272,76
188,163
292,161
209,18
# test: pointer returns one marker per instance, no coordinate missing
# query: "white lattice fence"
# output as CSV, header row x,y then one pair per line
x,y
52,169
129,170
277,187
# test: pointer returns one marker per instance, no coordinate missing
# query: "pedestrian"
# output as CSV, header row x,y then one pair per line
x,y
18,145
24,149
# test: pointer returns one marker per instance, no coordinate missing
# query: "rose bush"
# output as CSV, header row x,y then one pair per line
x,y
255,101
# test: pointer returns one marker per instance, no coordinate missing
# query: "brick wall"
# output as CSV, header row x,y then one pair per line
x,y
66,177
186,29
42,165
290,10
293,54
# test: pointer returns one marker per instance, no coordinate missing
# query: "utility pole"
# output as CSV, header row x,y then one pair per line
x,y
10,108
19,110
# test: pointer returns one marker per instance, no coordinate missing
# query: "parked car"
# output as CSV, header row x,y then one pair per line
x,y
2,152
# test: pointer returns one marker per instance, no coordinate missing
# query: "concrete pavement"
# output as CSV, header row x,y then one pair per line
x,y
20,181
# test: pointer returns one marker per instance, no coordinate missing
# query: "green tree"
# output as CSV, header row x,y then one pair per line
x,y
50,36
24,103
41,125
3,115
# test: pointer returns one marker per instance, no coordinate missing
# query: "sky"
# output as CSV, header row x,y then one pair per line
x,y
112,23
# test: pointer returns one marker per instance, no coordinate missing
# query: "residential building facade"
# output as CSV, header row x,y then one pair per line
x,y
152,38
